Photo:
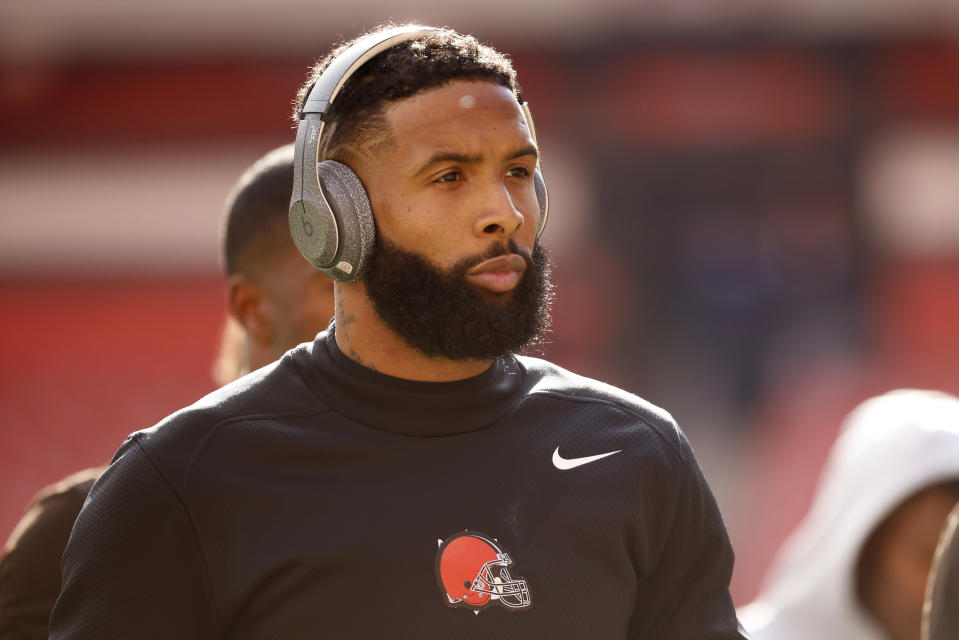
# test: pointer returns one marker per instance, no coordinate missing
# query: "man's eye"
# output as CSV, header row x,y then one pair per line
x,y
519,172
452,176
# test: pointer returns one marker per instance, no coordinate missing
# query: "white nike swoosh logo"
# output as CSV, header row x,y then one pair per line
x,y
562,463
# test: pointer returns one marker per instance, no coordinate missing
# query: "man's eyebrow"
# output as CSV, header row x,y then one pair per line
x,y
525,151
452,156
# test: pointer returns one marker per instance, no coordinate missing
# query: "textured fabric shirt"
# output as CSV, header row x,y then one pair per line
x,y
317,498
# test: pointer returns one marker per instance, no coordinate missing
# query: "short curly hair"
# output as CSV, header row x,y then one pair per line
x,y
429,61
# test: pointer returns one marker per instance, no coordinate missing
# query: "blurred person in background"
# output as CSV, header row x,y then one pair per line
x,y
940,619
30,566
276,300
856,568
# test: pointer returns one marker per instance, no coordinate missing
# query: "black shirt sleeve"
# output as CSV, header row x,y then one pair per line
x,y
133,566
685,595
30,568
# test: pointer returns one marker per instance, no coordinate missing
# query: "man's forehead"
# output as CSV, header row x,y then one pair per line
x,y
450,103
465,117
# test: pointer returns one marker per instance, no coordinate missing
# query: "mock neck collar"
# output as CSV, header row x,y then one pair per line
x,y
407,406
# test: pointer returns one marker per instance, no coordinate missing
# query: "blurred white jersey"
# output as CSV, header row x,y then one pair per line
x,y
889,448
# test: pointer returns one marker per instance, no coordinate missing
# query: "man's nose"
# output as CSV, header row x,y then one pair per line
x,y
499,214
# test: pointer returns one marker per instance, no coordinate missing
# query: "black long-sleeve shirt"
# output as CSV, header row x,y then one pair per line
x,y
317,498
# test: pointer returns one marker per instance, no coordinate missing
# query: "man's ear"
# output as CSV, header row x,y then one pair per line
x,y
252,308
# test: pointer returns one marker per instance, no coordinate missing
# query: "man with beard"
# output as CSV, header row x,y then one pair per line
x,y
406,474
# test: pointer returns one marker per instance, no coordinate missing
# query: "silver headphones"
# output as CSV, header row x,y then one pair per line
x,y
330,216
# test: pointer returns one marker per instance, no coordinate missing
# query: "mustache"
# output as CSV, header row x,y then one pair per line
x,y
498,249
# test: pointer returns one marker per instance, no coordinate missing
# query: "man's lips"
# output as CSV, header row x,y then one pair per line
x,y
499,274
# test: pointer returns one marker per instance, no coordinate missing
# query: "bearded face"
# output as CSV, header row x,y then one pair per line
x,y
440,313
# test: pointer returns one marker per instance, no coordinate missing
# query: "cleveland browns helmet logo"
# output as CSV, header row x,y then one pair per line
x,y
473,572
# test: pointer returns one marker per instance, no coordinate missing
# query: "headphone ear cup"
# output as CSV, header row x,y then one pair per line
x,y
351,210
312,225
542,196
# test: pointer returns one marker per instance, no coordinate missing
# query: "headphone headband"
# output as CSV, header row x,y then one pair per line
x,y
333,78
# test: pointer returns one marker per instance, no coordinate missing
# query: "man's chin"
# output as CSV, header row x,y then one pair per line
x,y
493,297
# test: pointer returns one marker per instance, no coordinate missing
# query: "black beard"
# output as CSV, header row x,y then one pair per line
x,y
442,314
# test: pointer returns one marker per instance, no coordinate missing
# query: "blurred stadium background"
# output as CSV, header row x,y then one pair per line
x,y
755,212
